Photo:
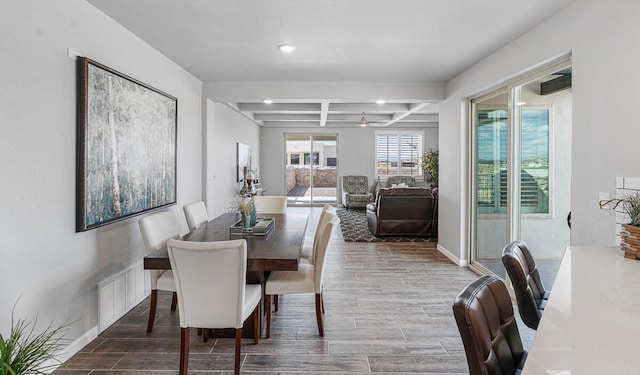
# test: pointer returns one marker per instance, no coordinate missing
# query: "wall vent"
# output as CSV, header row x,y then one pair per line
x,y
119,294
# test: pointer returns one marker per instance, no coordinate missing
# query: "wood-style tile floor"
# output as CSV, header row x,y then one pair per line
x,y
388,310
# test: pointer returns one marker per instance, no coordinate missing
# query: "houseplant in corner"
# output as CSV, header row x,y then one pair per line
x,y
430,167
630,233
24,351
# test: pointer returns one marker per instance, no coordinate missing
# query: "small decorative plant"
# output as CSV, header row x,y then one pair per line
x,y
242,204
630,205
24,351
430,166
630,232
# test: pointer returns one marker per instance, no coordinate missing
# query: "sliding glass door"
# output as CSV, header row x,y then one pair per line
x,y
522,143
310,171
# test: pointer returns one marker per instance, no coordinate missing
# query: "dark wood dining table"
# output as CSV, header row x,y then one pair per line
x,y
277,251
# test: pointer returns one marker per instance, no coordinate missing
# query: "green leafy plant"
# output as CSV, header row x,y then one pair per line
x,y
630,206
24,351
430,166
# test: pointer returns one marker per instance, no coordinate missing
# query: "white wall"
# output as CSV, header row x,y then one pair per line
x,y
225,128
356,152
43,261
602,40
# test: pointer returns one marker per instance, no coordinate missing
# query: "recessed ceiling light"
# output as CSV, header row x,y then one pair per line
x,y
381,101
286,48
267,101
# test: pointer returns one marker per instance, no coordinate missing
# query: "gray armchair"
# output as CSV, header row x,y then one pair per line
x,y
355,191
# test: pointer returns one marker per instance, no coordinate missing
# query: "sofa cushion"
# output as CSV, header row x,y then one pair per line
x,y
410,181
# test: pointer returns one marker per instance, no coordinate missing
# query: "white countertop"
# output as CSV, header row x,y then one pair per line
x,y
591,324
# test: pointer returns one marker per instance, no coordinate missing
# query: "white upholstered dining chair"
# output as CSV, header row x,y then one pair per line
x,y
307,253
212,291
156,230
196,214
270,204
307,279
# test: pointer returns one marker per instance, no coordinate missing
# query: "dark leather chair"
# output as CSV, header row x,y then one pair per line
x,y
525,278
404,212
488,328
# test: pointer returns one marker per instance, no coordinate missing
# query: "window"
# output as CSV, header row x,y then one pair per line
x,y
398,153
316,158
534,181
295,159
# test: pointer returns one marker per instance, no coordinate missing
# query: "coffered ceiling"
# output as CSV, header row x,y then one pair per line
x,y
337,41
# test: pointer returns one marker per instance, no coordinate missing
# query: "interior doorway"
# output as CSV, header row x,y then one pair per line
x,y
311,162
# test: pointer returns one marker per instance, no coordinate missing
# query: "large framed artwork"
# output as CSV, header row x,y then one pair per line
x,y
243,160
126,147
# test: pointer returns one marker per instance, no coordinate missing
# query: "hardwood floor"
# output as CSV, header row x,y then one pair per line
x,y
388,310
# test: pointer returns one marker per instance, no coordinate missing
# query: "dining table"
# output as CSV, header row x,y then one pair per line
x,y
278,250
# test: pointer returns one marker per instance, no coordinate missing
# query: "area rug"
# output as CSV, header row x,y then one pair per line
x,y
354,227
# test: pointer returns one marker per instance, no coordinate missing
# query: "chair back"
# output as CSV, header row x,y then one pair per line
x,y
196,214
355,184
526,281
270,204
210,281
320,256
157,229
488,328
322,223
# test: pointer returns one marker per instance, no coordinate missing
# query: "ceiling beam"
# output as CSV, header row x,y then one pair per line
x,y
286,117
323,113
280,107
248,115
399,116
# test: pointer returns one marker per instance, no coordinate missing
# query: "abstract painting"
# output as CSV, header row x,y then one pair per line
x,y
126,147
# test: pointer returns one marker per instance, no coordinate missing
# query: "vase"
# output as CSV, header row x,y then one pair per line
x,y
253,215
246,221
630,241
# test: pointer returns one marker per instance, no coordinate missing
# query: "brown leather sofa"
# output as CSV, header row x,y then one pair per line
x,y
404,211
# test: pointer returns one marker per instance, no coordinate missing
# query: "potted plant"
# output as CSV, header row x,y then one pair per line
x,y
24,351
630,234
430,167
243,205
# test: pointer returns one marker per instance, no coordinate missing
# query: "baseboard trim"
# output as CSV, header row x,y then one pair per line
x,y
452,257
73,348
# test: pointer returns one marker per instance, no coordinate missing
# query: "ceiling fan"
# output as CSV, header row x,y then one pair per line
x,y
364,123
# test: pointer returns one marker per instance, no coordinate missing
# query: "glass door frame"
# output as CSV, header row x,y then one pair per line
x,y
513,214
311,139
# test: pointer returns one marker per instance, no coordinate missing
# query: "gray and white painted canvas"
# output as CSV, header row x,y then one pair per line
x,y
129,152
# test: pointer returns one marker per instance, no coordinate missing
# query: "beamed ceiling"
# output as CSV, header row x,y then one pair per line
x,y
341,47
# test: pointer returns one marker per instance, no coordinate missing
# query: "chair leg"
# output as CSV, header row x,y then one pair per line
x,y
174,301
152,309
275,302
319,313
268,318
236,367
256,324
184,350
